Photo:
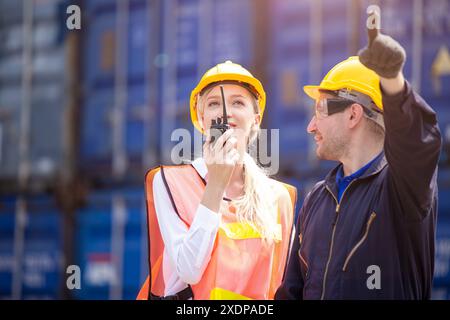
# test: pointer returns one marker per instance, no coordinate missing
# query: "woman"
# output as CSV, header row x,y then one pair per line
x,y
219,228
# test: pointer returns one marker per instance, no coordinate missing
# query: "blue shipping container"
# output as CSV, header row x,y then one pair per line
x,y
202,34
98,123
140,128
307,38
46,131
102,43
42,264
442,262
111,245
440,293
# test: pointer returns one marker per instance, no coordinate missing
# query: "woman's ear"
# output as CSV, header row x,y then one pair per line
x,y
257,119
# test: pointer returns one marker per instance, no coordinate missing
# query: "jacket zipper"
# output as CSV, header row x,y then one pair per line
x,y
304,261
360,242
338,204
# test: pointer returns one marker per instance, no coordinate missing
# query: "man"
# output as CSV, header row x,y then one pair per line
x,y
367,230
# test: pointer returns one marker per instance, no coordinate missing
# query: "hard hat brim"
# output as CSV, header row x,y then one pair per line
x,y
312,91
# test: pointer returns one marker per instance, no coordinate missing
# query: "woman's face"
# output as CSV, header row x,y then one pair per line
x,y
240,106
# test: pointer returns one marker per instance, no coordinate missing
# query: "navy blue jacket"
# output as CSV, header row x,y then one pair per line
x,y
384,224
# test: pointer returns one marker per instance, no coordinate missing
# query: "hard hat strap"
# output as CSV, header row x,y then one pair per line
x,y
375,115
355,96
371,111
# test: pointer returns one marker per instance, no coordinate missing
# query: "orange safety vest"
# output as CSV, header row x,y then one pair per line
x,y
242,265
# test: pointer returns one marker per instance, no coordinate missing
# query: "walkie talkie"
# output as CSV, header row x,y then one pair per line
x,y
220,125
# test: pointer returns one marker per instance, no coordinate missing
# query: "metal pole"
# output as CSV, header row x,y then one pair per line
x,y
353,20
144,243
119,159
19,246
1,141
205,27
315,54
119,218
169,85
69,188
25,116
24,148
417,44
149,154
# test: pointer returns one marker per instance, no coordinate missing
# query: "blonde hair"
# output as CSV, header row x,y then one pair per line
x,y
258,206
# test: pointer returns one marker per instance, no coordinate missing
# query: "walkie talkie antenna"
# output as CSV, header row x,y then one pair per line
x,y
225,117
219,125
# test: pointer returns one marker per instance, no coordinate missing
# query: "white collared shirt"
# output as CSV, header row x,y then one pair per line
x,y
187,251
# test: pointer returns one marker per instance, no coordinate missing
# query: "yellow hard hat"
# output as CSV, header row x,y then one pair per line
x,y
227,71
350,75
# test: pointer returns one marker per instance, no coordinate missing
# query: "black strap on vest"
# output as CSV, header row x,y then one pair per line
x,y
184,294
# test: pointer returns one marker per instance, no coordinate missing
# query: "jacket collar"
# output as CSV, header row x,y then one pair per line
x,y
374,169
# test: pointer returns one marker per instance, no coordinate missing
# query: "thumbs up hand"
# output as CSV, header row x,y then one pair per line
x,y
382,54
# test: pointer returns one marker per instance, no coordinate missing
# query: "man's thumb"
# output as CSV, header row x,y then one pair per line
x,y
373,23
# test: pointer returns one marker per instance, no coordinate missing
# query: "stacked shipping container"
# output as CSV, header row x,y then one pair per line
x,y
139,60
33,130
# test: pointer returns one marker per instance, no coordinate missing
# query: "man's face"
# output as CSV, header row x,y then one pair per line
x,y
330,132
